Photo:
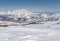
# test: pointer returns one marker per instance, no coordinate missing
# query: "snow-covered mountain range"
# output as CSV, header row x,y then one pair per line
x,y
23,16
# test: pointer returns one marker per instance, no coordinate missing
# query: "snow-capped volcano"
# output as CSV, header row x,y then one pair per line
x,y
17,12
20,13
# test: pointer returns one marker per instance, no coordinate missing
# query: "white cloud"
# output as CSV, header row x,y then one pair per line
x,y
2,13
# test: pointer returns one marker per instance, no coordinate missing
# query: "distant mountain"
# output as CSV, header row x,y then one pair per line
x,y
23,16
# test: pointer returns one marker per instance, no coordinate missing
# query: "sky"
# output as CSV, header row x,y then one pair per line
x,y
32,5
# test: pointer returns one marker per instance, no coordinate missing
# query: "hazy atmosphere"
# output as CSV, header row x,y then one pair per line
x,y
32,5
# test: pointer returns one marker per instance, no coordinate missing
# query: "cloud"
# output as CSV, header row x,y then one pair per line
x,y
2,13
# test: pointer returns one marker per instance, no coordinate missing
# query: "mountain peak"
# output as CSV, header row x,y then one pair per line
x,y
19,12
23,11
